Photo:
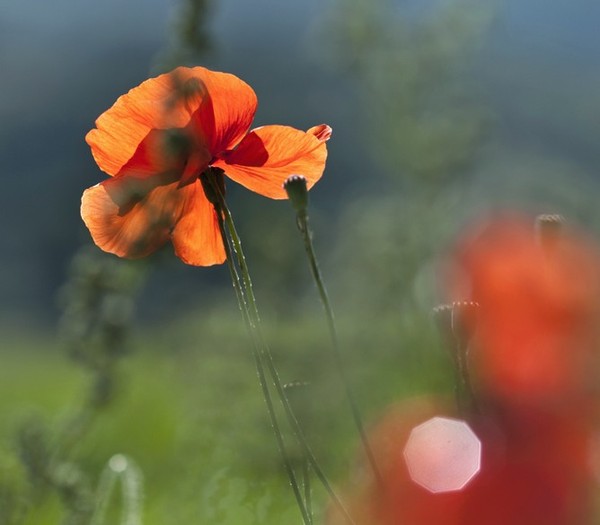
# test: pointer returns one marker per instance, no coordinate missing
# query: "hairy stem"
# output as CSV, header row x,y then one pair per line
x,y
239,291
264,353
302,222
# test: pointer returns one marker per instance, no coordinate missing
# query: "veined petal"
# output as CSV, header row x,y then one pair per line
x,y
132,216
160,152
164,102
196,237
268,155
222,106
226,112
322,132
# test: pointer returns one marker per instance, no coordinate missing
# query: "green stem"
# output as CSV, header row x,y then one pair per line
x,y
261,374
80,424
264,352
302,221
307,487
466,399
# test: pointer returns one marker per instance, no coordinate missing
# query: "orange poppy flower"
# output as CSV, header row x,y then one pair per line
x,y
156,141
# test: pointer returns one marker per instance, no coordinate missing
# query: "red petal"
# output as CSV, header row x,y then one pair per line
x,y
196,237
155,155
131,216
217,107
322,132
227,111
267,156
154,104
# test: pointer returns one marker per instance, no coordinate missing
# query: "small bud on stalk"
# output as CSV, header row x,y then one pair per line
x,y
295,187
548,229
457,321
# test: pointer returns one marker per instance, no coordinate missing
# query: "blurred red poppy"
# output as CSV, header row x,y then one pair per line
x,y
156,141
397,499
535,469
536,338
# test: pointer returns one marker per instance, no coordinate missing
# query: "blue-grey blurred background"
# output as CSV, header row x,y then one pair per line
x,y
501,94
442,111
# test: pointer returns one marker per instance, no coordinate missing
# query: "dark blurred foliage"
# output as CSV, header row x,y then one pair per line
x,y
189,39
97,303
445,144
422,96
12,500
415,74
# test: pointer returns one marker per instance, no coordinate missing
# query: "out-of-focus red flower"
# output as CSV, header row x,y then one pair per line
x,y
535,469
532,347
156,141
537,334
398,500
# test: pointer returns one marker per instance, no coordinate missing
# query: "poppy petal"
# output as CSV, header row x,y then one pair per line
x,y
227,110
164,102
268,155
322,132
159,152
216,108
196,237
131,216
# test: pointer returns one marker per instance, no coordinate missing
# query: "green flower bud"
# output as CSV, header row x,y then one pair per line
x,y
297,191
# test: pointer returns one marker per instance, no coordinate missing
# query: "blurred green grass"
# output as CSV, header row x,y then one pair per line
x,y
189,411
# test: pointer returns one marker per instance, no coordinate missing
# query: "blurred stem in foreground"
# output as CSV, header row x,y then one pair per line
x,y
212,183
120,468
297,191
456,323
189,38
97,306
98,303
294,388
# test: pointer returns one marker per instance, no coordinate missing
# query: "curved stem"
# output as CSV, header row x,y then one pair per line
x,y
264,353
261,375
302,222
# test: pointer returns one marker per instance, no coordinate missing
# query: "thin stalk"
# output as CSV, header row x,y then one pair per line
x,y
306,484
306,517
264,352
121,468
305,463
302,222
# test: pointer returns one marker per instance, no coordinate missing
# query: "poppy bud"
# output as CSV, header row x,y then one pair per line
x,y
442,315
464,320
548,229
297,191
457,320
